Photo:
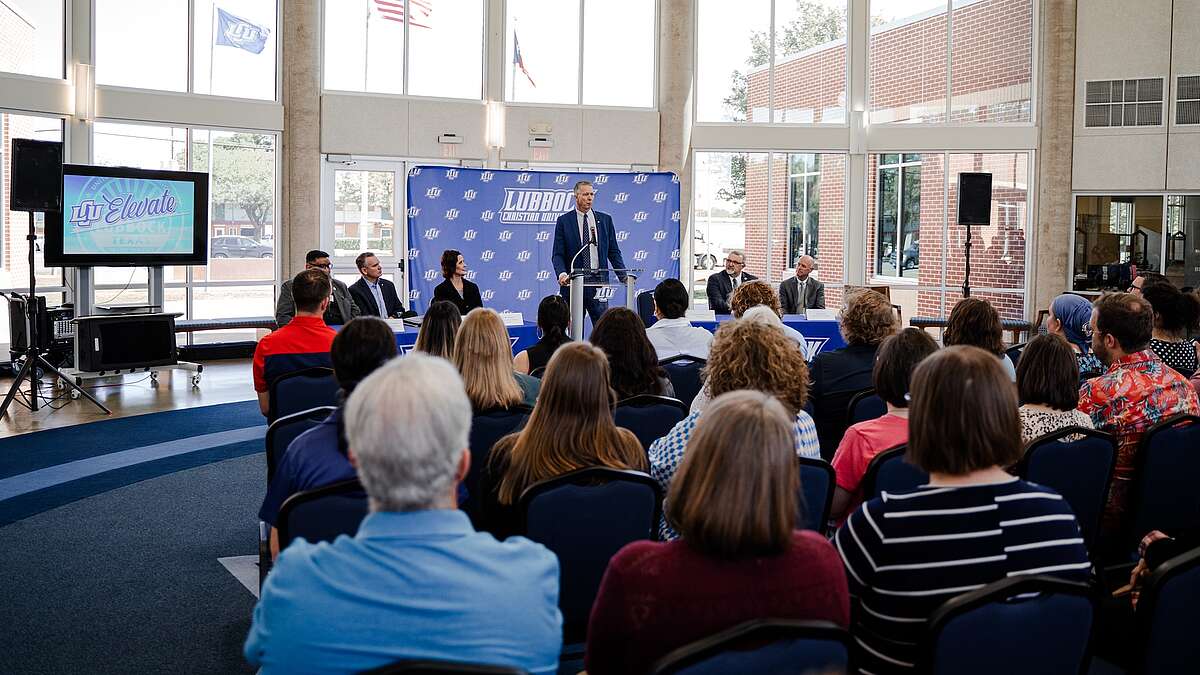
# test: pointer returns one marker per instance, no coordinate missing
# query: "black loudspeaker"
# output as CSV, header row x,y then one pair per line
x,y
37,175
123,341
974,199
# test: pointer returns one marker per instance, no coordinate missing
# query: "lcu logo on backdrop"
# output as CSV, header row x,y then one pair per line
x,y
659,275
561,179
505,235
470,195
487,216
414,211
600,179
621,198
543,275
543,235
451,214
675,254
605,293
414,253
469,235
524,178
622,235
505,276
660,197
432,233
675,217
486,176
414,295
451,174
660,235
470,275
487,255
487,295
415,172
640,255
433,192
430,275
524,256
640,179
524,294
640,217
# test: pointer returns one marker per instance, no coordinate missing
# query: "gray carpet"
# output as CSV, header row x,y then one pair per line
x,y
128,581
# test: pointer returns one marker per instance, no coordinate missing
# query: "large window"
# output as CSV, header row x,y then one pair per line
x,y
752,70
986,44
31,38
594,52
898,217
365,47
1119,236
233,53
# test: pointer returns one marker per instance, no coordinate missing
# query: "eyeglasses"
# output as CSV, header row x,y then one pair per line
x,y
735,262
326,266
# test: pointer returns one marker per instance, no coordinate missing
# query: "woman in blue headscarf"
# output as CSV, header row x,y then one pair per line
x,y
1069,317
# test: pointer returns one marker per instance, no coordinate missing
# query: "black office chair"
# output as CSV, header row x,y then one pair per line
x,y
645,307
649,417
865,405
1014,353
1022,624
1164,495
817,481
889,471
1168,612
284,430
585,517
322,514
1079,470
302,390
684,373
763,647
487,427
427,667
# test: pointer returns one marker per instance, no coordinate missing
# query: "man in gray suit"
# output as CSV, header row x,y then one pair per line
x,y
802,292
341,304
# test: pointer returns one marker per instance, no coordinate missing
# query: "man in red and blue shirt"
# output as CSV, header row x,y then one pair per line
x,y
1137,391
302,343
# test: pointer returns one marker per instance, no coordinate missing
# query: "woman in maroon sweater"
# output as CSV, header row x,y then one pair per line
x,y
739,557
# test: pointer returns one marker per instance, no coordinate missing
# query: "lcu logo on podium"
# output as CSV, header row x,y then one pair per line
x,y
605,293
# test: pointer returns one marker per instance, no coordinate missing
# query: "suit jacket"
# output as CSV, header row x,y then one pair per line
x,y
365,299
341,309
567,243
720,288
466,302
814,295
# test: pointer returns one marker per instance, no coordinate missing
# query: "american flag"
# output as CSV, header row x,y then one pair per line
x,y
393,10
520,62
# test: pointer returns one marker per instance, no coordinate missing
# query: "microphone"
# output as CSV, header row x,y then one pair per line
x,y
586,245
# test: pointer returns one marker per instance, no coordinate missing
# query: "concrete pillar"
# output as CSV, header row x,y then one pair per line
x,y
300,212
1050,275
676,87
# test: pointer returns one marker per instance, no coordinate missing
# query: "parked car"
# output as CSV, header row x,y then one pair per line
x,y
707,255
238,247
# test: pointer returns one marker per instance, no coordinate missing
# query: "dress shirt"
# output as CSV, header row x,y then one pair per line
x,y
672,337
377,293
587,225
409,585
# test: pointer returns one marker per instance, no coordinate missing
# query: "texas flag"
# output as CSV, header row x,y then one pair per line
x,y
234,31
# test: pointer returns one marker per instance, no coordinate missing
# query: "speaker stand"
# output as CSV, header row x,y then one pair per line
x,y
33,355
967,268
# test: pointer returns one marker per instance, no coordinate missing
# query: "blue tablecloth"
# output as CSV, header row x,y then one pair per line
x,y
522,337
820,335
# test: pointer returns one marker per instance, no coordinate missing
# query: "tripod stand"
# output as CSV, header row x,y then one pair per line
x,y
967,268
33,353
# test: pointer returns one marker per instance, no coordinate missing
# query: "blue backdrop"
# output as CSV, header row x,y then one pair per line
x,y
503,222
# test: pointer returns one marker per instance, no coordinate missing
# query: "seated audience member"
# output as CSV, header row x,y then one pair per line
x,y
673,335
416,582
739,556
802,292
971,525
1070,316
759,293
632,363
457,288
318,456
899,355
975,323
745,355
553,317
439,326
570,428
301,343
1175,314
865,322
341,303
373,294
1048,388
722,284
1136,391
483,355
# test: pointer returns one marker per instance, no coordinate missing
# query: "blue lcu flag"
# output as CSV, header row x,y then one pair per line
x,y
233,31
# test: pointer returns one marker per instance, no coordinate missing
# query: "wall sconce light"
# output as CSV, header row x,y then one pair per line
x,y
85,92
495,124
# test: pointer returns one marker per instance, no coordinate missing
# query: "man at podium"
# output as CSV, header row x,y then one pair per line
x,y
583,228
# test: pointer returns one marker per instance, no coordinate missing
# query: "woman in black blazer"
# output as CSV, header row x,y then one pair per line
x,y
456,289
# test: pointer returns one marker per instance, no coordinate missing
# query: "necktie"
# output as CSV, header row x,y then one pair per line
x,y
593,257
378,293
735,280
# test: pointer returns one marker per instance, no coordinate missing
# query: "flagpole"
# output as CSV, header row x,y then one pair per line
x,y
512,78
367,45
212,41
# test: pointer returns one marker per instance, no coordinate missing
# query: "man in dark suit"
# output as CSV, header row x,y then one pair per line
x,y
722,284
373,294
341,305
575,230
802,292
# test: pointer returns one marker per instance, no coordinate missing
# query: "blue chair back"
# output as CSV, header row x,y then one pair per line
x,y
1165,495
487,427
1022,624
426,667
645,307
1078,470
284,430
585,517
889,471
302,390
817,480
1168,613
684,373
865,405
791,648
649,417
322,514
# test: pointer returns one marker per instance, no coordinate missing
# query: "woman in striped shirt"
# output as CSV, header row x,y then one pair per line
x,y
909,552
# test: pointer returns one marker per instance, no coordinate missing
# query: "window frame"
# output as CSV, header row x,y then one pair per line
x,y
899,166
804,248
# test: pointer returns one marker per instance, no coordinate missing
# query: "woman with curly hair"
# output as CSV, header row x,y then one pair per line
x,y
631,358
754,294
976,323
866,321
744,355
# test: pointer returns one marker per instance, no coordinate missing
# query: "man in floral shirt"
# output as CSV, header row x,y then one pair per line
x,y
1137,391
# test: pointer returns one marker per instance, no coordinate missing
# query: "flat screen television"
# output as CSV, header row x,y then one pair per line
x,y
119,216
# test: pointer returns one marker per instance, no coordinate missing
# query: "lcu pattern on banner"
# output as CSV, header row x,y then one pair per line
x,y
503,222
